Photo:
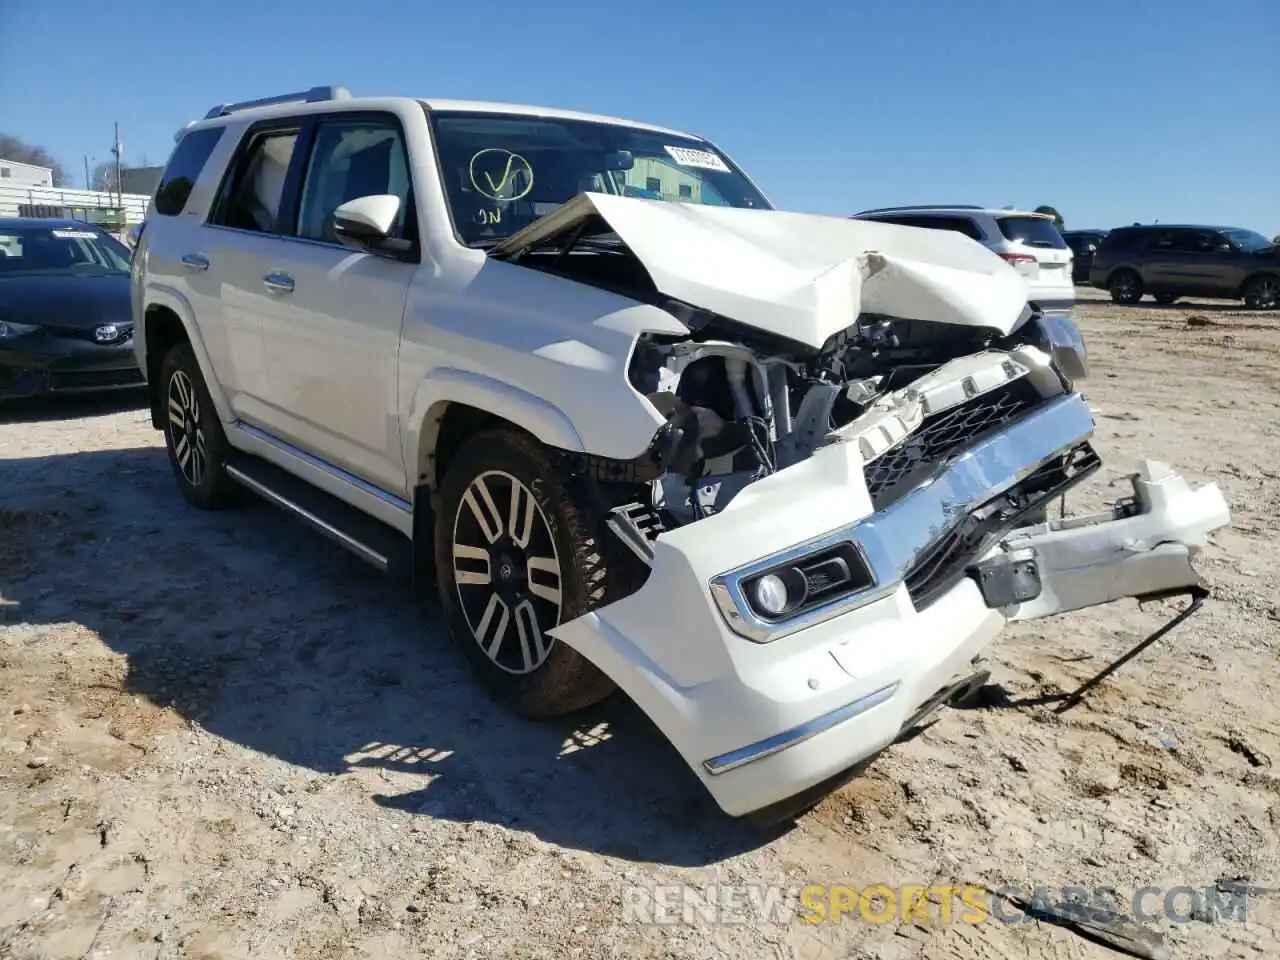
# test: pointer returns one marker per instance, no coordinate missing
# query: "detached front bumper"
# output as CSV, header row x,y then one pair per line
x,y
46,362
764,711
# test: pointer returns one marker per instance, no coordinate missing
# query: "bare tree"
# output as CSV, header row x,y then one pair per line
x,y
19,151
103,177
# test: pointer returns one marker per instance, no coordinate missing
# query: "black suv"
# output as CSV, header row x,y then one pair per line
x,y
1083,243
1188,261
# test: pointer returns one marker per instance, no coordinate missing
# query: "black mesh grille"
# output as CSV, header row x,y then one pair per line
x,y
942,436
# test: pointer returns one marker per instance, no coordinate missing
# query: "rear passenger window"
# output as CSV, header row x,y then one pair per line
x,y
1193,241
183,169
251,200
899,221
961,225
351,159
927,222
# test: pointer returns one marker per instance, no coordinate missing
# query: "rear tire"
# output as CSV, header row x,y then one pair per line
x,y
1164,299
517,553
1125,286
193,435
1262,293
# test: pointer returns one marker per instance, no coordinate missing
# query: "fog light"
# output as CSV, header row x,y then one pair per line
x,y
771,594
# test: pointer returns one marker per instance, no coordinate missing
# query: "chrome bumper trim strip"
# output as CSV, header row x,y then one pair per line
x,y
789,738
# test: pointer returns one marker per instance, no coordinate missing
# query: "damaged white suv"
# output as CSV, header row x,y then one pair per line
x,y
779,477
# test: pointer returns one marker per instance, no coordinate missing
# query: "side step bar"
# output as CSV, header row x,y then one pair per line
x,y
373,542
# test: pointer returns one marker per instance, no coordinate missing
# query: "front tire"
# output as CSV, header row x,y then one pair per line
x,y
193,436
1125,287
518,553
1262,293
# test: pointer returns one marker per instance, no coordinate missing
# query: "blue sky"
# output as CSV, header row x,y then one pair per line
x,y
1138,110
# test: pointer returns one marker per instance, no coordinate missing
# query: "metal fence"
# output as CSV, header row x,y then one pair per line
x,y
92,206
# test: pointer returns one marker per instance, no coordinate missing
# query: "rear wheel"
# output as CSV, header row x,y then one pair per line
x,y
193,436
1125,286
1165,298
517,553
1262,293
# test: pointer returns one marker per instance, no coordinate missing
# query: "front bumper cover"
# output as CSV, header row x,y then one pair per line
x,y
760,722
46,361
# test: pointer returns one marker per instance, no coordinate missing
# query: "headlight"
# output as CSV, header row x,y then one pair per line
x,y
766,599
9,329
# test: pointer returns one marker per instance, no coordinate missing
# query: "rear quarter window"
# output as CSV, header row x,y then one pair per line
x,y
1032,232
930,222
959,225
183,170
1122,240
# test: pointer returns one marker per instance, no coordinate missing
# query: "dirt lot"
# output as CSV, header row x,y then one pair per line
x,y
220,737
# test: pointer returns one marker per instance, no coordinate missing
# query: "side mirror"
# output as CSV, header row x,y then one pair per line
x,y
367,222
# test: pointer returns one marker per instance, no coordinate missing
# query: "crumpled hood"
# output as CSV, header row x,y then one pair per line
x,y
800,276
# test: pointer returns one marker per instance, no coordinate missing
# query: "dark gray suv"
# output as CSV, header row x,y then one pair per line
x,y
1169,262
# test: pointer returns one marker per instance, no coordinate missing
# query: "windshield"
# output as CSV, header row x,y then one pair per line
x,y
60,250
1250,241
503,171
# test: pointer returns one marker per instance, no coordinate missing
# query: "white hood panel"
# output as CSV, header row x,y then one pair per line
x,y
801,276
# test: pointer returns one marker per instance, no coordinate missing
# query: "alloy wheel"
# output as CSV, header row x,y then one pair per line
x,y
506,570
1124,286
1267,294
186,436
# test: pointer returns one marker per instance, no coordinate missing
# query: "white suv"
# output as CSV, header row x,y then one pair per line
x,y
772,474
1030,242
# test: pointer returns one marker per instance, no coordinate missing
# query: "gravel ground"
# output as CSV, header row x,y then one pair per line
x,y
221,737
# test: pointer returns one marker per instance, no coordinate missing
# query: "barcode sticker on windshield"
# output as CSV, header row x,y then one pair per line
x,y
687,157
75,234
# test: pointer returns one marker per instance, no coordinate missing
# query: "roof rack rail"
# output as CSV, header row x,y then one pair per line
x,y
314,95
923,206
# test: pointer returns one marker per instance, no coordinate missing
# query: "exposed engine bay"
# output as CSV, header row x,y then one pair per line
x,y
736,414
740,402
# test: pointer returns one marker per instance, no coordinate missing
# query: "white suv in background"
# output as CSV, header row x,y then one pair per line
x,y
1030,242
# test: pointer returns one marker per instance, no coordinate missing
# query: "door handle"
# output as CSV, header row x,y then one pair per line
x,y
195,262
278,283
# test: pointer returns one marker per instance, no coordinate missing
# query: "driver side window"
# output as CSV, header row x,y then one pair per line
x,y
350,159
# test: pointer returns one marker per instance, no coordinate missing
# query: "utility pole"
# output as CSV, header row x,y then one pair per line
x,y
116,149
87,184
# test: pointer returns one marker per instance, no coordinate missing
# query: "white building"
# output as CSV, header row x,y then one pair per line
x,y
25,174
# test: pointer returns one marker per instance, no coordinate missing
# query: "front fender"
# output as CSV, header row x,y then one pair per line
x,y
173,300
445,385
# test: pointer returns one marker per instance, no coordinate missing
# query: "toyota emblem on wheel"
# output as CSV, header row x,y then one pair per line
x,y
107,333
